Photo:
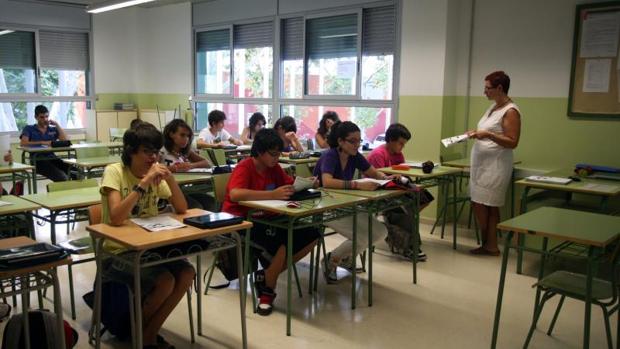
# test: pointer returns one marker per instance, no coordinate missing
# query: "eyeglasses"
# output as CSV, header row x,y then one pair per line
x,y
355,141
150,152
274,153
486,88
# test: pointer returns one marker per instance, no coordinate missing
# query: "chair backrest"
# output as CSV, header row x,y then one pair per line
x,y
218,156
66,185
92,152
303,170
94,214
117,134
219,187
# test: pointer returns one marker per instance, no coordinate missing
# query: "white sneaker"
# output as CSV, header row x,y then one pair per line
x,y
329,269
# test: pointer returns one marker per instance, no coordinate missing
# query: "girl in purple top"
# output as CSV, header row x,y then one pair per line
x,y
335,169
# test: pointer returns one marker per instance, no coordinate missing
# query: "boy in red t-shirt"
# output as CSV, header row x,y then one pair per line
x,y
386,155
260,177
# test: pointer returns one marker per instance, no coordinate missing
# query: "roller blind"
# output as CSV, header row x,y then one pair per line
x,y
253,35
378,28
64,50
331,37
17,49
292,30
213,40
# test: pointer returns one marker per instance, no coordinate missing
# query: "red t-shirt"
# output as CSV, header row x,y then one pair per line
x,y
245,176
381,157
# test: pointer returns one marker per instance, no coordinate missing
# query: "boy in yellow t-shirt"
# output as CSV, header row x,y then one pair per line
x,y
132,189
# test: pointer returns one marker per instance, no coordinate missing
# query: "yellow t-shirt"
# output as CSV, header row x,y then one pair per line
x,y
119,177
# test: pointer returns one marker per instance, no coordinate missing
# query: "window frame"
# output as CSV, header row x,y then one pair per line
x,y
277,101
38,96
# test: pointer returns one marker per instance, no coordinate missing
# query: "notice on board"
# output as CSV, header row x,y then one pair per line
x,y
596,75
599,36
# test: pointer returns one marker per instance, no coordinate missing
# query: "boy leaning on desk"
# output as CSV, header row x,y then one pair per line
x,y
132,189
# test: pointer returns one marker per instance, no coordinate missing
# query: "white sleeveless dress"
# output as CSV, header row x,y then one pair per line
x,y
491,164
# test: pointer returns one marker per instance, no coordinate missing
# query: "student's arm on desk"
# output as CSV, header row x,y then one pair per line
x,y
25,141
201,144
372,172
330,182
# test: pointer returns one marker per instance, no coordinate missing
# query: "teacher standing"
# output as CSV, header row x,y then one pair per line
x,y
496,136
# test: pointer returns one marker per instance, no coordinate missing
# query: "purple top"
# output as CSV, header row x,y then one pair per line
x,y
330,163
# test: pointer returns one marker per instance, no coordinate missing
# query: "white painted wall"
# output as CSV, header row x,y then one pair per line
x,y
143,50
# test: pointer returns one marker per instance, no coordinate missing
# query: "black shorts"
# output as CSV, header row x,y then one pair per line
x,y
269,239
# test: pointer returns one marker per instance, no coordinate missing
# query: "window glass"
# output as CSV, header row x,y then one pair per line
x,y
213,62
17,62
15,115
237,115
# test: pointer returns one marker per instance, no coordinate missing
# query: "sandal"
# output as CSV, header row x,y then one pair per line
x,y
484,252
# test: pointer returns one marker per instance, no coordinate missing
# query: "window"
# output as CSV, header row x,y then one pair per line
x,y
378,38
253,60
17,62
331,53
63,64
371,120
292,58
213,62
237,115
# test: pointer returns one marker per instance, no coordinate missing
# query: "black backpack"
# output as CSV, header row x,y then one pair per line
x,y
115,309
43,331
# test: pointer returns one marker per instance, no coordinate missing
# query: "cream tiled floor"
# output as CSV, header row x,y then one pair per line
x,y
452,306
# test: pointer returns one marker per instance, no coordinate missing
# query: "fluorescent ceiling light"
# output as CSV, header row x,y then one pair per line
x,y
336,36
114,5
2,32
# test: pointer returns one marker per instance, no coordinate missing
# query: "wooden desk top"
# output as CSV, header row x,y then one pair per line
x,y
191,178
328,201
64,199
133,237
602,187
581,227
15,167
25,241
93,162
369,194
417,172
310,160
18,205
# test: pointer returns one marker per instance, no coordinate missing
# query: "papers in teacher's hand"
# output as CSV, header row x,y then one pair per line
x,y
302,183
381,182
448,142
200,170
158,223
4,203
548,179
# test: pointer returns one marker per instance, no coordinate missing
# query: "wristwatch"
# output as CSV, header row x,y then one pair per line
x,y
138,189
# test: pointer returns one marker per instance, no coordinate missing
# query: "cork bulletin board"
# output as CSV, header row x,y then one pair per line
x,y
595,70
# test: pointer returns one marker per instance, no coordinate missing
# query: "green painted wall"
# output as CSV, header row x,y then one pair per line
x,y
167,101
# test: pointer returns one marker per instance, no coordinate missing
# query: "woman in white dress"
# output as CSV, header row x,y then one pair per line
x,y
496,136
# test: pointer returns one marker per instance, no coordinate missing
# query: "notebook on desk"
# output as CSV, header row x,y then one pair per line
x,y
29,255
305,194
213,220
549,179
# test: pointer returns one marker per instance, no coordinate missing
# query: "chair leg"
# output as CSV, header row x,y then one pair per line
x,y
71,290
297,280
606,314
132,317
363,261
317,264
191,314
311,272
253,291
555,316
537,311
211,269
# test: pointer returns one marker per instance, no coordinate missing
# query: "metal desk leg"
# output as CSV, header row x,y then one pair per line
x,y
541,273
354,276
58,309
588,308
98,280
416,232
454,218
242,277
500,289
199,292
137,294
370,214
53,226
512,194
25,309
521,237
289,266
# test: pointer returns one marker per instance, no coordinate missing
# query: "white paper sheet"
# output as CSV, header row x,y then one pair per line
x,y
5,146
201,170
596,75
4,203
450,141
158,223
302,183
599,35
381,182
273,203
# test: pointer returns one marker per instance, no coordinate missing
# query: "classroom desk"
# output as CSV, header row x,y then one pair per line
x,y
603,188
18,206
32,278
438,174
382,200
63,200
20,170
138,240
311,160
86,165
192,178
465,164
313,213
596,231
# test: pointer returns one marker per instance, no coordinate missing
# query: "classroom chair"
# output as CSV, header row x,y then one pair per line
x,y
116,134
91,152
217,156
573,285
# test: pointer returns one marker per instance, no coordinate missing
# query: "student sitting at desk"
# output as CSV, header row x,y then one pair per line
x,y
386,155
215,136
43,133
260,177
287,130
325,125
132,189
257,122
178,156
335,169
